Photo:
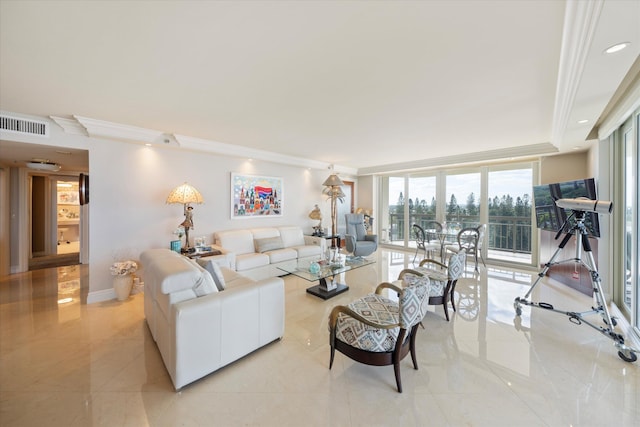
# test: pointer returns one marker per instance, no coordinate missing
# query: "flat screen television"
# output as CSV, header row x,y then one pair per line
x,y
550,217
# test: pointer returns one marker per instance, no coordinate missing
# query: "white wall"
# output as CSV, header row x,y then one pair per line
x,y
129,184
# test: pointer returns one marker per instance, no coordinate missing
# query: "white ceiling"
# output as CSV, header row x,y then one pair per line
x,y
360,84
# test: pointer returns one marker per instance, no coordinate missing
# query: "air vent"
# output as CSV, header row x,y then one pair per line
x,y
29,127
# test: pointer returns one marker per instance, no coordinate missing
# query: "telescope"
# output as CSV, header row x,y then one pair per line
x,y
586,205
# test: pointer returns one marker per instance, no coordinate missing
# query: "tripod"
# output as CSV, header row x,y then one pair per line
x,y
579,230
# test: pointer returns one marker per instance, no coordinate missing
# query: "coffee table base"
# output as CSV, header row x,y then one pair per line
x,y
321,292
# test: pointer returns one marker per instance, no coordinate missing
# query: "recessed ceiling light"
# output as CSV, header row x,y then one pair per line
x,y
583,121
616,47
576,148
148,144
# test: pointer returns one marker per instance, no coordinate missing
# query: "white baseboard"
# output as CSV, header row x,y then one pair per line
x,y
100,296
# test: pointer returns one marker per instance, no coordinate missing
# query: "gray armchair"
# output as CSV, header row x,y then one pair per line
x,y
357,241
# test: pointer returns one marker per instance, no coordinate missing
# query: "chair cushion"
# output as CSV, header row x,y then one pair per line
x,y
291,236
432,274
264,232
308,250
436,287
252,260
365,248
456,265
413,303
355,225
282,255
238,241
377,309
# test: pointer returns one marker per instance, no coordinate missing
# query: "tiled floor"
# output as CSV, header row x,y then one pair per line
x,y
72,364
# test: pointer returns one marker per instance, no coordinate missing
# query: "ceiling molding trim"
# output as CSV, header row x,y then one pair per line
x,y
71,126
101,128
621,111
580,22
498,154
221,148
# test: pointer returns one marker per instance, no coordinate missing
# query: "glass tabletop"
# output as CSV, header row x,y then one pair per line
x,y
327,269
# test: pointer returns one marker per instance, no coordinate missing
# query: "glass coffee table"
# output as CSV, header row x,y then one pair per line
x,y
328,287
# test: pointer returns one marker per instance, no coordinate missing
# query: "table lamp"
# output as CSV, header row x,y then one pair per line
x,y
185,194
317,214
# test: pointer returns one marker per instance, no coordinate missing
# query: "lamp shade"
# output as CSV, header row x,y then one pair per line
x,y
333,181
315,213
183,194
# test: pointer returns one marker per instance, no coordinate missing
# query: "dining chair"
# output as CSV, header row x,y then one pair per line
x,y
469,239
427,240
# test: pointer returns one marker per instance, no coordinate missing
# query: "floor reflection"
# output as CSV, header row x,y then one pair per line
x,y
63,362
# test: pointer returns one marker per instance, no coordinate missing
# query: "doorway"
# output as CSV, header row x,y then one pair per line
x,y
54,221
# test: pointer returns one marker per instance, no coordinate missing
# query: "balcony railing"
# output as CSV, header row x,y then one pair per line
x,y
505,233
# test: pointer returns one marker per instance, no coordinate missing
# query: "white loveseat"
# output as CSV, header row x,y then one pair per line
x,y
259,252
199,328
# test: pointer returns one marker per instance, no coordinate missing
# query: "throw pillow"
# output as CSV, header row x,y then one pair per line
x,y
268,244
203,286
214,269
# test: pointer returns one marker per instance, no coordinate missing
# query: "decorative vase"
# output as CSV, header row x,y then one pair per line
x,y
314,268
122,285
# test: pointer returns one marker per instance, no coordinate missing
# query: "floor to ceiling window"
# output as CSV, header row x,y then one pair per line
x,y
393,220
631,289
421,202
510,231
499,196
462,200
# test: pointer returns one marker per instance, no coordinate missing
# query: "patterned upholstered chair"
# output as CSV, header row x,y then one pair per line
x,y
378,331
442,280
357,241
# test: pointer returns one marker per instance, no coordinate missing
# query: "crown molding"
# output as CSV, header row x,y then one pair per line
x,y
71,126
621,111
482,156
581,19
103,129
215,147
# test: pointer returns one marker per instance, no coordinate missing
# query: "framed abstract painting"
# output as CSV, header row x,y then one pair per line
x,y
255,196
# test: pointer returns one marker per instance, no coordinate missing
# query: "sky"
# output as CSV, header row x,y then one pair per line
x,y
512,182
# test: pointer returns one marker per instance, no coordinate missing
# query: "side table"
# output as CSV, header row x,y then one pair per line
x,y
200,254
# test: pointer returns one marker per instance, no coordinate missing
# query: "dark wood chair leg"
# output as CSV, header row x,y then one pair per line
x,y
333,348
396,369
412,346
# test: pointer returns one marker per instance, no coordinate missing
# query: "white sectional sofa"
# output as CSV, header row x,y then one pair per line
x,y
198,327
259,252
